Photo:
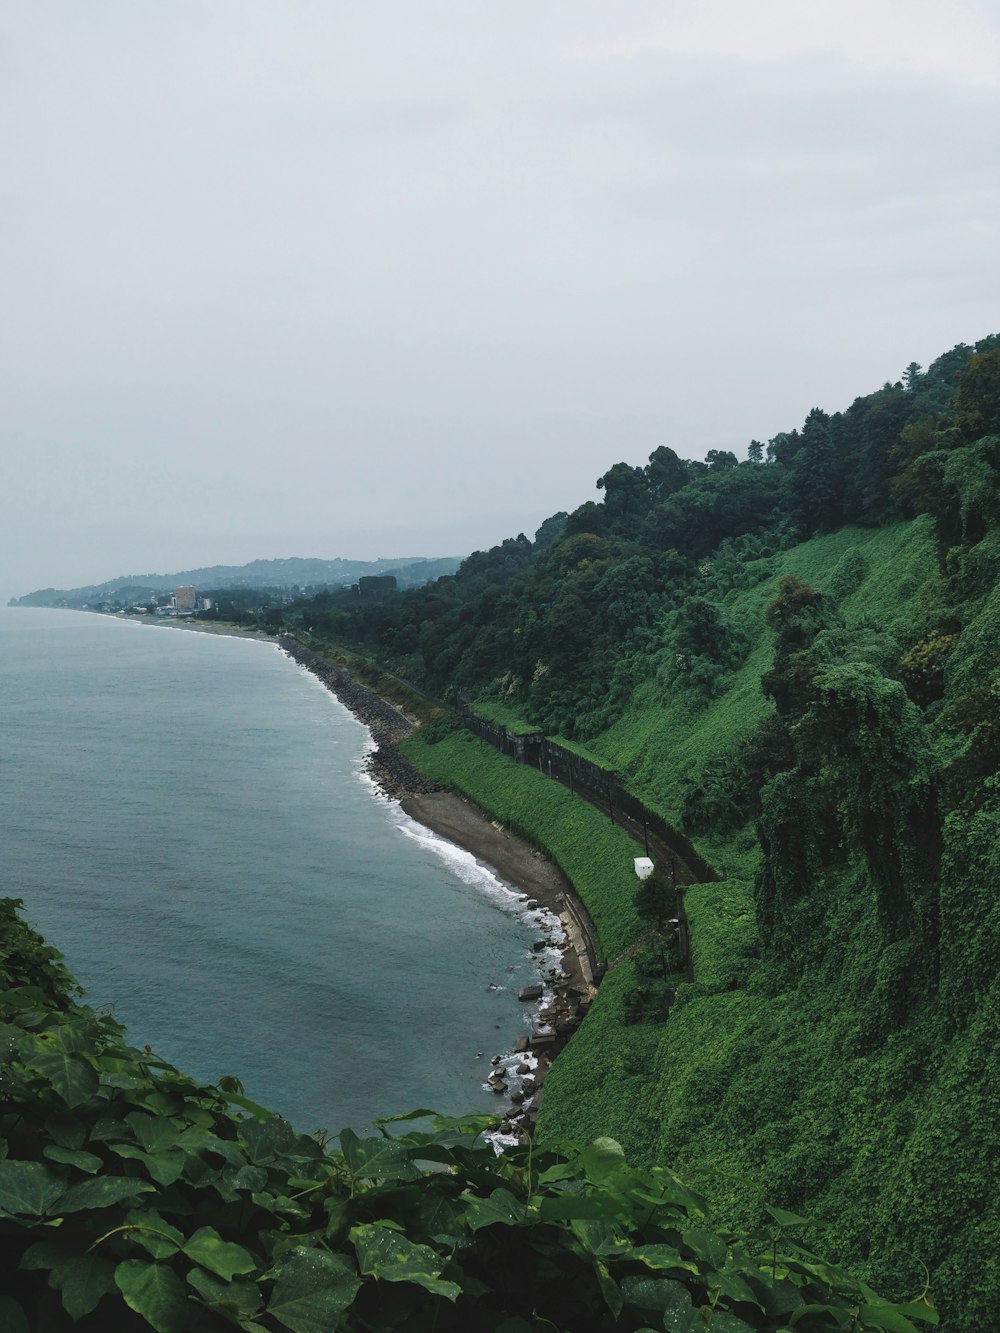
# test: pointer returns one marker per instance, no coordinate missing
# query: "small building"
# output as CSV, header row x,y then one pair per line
x,y
643,867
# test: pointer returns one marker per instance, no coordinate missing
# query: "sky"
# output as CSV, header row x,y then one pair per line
x,y
403,277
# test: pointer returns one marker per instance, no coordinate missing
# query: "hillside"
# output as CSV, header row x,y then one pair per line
x,y
794,659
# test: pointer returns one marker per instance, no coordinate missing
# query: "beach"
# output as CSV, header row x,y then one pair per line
x,y
567,990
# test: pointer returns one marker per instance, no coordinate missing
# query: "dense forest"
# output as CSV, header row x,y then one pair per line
x,y
792,657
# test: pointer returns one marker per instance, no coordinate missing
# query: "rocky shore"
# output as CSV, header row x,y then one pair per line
x,y
393,773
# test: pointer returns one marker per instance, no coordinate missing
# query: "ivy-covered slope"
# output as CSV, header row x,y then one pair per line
x,y
795,658
133,1198
837,1051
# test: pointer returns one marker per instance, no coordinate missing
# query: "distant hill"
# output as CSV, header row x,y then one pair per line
x,y
293,572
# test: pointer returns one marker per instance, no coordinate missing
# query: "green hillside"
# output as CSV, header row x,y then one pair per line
x,y
828,1071
795,661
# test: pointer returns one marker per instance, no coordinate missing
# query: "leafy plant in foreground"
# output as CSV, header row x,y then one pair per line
x,y
132,1197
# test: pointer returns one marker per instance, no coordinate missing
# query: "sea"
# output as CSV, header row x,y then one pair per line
x,y
187,817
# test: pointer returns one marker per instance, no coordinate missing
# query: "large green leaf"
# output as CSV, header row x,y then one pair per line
x,y
734,1286
724,1321
312,1291
609,1288
155,1235
387,1254
245,1177
706,1245
85,1161
82,1279
601,1239
566,1208
222,1257
266,1139
664,1258
672,1299
28,1189
380,1160
163,1167
153,1132
69,1131
155,1292
236,1301
501,1207
71,1077
101,1193
601,1159
44,1254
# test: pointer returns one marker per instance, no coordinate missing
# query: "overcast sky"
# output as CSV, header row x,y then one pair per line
x,y
383,277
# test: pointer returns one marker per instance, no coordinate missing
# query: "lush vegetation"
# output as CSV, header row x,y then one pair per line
x,y
796,659
131,1197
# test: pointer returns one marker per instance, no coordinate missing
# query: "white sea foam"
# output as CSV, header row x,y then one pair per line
x,y
480,876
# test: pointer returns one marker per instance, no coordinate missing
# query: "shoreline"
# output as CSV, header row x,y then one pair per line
x,y
564,995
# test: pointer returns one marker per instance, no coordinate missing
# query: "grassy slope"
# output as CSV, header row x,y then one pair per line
x,y
761,1093
665,737
595,854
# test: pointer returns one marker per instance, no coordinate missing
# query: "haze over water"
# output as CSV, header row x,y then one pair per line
x,y
187,820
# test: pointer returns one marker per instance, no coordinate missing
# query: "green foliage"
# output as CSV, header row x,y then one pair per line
x,y
848,573
439,725
655,973
144,1200
655,897
704,644
815,1078
836,1050
724,934
922,667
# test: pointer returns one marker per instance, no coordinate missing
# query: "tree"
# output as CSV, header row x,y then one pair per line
x,y
550,531
817,476
655,897
626,494
977,402
665,473
721,460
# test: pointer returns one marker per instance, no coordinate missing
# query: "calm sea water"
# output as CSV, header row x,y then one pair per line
x,y
187,819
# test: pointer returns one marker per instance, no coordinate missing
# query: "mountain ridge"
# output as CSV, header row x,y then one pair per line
x,y
277,572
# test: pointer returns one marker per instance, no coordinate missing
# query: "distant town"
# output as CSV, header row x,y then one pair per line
x,y
183,601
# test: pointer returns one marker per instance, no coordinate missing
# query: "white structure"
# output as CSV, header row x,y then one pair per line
x,y
643,867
